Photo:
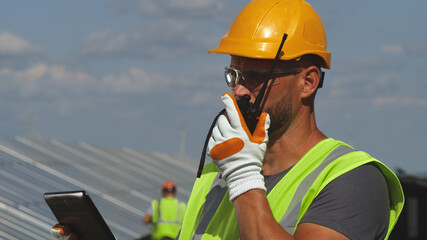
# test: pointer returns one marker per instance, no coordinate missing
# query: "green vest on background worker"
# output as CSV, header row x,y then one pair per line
x,y
166,214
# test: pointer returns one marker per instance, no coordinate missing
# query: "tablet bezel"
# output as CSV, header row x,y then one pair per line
x,y
77,210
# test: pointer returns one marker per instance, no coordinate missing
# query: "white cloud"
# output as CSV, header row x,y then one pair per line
x,y
400,101
63,91
164,39
58,81
364,83
182,7
168,8
12,45
52,73
135,81
391,49
170,29
43,79
106,42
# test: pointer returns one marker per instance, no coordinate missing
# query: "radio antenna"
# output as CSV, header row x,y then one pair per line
x,y
260,96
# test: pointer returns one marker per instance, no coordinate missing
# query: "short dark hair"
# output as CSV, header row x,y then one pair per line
x,y
313,59
303,62
169,190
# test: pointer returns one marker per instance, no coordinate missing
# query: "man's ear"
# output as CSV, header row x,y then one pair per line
x,y
311,81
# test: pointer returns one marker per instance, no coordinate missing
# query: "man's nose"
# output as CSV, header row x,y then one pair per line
x,y
240,90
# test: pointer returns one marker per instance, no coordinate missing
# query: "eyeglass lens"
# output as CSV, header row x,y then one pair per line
x,y
230,77
252,79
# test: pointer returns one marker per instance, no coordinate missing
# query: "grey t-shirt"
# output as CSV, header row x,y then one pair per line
x,y
355,204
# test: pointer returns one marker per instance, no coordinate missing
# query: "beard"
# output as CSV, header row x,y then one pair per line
x,y
280,114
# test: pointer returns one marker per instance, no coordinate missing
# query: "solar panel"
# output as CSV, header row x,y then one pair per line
x,y
122,183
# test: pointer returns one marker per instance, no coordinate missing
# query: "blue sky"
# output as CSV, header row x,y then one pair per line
x,y
135,73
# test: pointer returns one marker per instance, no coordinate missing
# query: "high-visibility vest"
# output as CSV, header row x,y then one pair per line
x,y
167,217
210,215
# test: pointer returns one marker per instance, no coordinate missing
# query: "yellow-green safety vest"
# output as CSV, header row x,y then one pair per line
x,y
167,217
210,215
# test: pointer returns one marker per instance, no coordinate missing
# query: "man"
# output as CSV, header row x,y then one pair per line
x,y
165,214
286,180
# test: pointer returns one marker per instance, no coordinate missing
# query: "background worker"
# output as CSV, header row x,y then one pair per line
x,y
287,179
165,214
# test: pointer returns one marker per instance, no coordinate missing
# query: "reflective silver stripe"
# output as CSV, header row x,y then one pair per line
x,y
169,222
290,218
159,214
213,200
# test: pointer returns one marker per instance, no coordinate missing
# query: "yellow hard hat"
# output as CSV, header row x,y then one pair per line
x,y
259,28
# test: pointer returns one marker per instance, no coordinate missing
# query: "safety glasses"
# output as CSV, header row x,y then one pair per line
x,y
253,78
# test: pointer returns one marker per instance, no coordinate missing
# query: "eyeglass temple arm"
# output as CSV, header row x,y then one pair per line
x,y
260,96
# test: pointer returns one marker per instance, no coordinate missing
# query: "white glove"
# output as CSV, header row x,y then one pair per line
x,y
62,232
236,152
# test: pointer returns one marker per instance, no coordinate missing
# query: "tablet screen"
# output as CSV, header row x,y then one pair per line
x,y
76,210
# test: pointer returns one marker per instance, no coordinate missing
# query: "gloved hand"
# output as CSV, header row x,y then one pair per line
x,y
62,232
236,152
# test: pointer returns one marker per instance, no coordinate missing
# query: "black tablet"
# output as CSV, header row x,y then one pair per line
x,y
76,210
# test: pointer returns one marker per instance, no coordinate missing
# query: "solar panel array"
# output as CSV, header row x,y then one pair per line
x,y
121,182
